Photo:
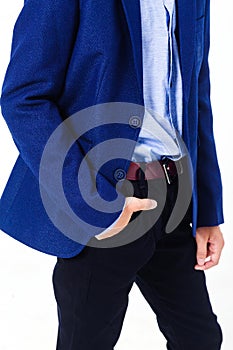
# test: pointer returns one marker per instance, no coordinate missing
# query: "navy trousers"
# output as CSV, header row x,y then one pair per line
x,y
91,289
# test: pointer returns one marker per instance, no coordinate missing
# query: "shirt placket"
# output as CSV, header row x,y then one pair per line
x,y
170,6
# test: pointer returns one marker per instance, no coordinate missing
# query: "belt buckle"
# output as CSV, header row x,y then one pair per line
x,y
166,168
166,172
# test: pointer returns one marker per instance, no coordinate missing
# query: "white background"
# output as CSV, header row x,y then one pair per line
x,y
28,317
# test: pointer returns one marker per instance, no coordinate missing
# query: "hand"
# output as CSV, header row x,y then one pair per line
x,y
132,204
210,243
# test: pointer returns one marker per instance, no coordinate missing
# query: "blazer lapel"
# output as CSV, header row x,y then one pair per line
x,y
186,37
133,17
186,12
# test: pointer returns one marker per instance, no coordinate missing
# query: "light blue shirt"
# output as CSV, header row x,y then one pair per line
x,y
162,84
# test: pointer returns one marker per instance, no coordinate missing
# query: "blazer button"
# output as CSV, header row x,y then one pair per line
x,y
135,122
119,174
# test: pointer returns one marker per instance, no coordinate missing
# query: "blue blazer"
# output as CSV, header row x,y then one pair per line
x,y
70,55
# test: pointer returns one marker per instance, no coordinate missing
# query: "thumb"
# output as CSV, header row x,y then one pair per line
x,y
137,204
201,252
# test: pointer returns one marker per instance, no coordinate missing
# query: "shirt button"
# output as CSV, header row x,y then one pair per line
x,y
135,122
119,174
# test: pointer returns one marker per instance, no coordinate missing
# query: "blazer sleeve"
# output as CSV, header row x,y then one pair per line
x,y
209,186
43,41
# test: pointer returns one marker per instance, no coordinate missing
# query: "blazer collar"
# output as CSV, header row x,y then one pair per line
x,y
133,17
186,38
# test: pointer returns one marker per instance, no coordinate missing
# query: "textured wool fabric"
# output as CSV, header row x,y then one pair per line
x,y
69,55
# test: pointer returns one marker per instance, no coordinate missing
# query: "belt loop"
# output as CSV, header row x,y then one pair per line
x,y
142,176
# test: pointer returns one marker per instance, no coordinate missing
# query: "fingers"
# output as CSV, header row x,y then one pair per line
x,y
118,226
214,254
210,243
134,204
110,233
202,241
